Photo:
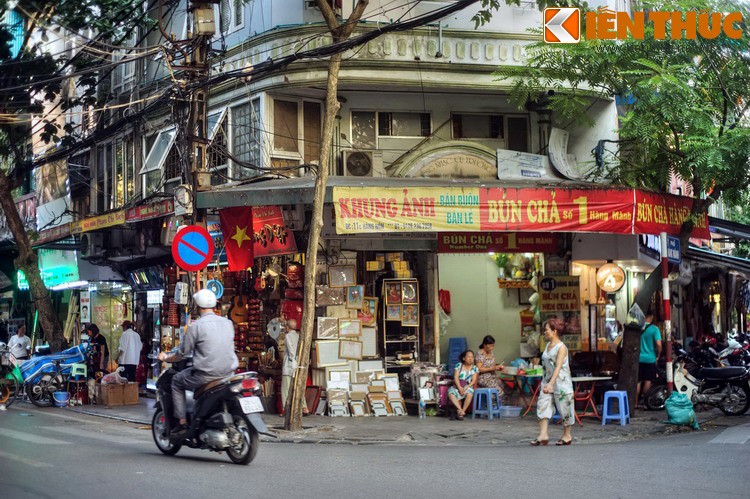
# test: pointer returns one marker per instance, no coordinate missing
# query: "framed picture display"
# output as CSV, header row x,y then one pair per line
x,y
393,312
369,340
409,292
392,293
350,349
342,276
410,315
350,327
369,313
328,327
327,354
355,296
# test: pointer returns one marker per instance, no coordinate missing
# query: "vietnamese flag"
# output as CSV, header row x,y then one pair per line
x,y
237,229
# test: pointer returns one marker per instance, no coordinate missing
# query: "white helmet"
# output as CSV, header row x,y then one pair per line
x,y
205,298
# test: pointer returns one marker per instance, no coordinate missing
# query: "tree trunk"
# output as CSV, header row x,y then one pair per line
x,y
27,261
293,406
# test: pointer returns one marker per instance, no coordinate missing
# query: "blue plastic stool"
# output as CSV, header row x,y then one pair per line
x,y
623,416
486,402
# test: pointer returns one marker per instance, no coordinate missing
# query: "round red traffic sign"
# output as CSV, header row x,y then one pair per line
x,y
193,248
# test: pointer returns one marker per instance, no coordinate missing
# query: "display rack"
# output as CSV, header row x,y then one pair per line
x,y
400,320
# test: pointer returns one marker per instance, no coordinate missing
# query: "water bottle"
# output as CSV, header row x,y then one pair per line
x,y
422,412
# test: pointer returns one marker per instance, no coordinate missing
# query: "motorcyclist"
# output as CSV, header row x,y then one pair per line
x,y
211,341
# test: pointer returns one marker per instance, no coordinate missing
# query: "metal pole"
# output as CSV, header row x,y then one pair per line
x,y
665,295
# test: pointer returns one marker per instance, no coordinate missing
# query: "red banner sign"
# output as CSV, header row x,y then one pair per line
x,y
149,211
270,234
497,242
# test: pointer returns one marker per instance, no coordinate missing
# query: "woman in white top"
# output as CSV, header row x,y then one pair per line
x,y
20,344
557,386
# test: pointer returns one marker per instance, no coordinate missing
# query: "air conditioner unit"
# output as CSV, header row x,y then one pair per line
x,y
359,163
92,245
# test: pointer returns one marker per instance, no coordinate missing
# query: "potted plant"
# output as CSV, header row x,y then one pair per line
x,y
501,260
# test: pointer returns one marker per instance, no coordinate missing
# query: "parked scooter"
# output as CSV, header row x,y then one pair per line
x,y
223,415
724,387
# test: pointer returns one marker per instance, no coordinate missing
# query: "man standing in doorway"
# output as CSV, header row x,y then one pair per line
x,y
130,350
650,352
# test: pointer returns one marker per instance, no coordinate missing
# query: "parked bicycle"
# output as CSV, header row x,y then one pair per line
x,y
43,376
10,377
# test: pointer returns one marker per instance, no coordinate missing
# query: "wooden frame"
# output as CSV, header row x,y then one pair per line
x,y
392,293
328,328
410,314
369,312
369,339
393,312
410,292
341,276
335,375
350,349
355,296
327,354
362,376
350,327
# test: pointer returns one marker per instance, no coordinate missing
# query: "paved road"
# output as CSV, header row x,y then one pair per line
x,y
54,453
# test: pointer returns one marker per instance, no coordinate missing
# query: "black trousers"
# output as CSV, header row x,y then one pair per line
x,y
129,371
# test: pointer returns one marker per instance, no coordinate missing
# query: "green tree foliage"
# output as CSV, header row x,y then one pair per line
x,y
687,101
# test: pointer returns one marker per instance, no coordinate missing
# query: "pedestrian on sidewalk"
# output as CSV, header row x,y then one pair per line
x,y
465,380
129,350
650,351
20,345
100,349
289,367
557,386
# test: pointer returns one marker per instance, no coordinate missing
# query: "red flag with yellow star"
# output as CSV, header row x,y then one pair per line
x,y
237,228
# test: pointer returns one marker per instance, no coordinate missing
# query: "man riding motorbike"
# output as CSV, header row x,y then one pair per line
x,y
211,341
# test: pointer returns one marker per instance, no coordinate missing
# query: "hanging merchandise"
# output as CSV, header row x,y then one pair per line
x,y
295,275
237,229
444,297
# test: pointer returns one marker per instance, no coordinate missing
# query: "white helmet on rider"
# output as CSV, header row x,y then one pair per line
x,y
205,298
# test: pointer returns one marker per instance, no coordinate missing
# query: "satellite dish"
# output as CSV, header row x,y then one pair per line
x,y
359,164
274,328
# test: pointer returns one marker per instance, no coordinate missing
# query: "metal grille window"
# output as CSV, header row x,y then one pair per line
x,y
478,126
172,165
404,124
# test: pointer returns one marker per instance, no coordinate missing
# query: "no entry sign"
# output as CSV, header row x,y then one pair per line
x,y
193,248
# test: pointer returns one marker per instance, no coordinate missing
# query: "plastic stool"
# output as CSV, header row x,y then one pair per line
x,y
486,402
623,415
78,370
78,377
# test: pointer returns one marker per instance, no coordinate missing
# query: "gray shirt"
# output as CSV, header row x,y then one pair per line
x,y
211,340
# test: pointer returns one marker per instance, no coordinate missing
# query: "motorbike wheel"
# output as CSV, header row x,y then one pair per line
x,y
250,440
8,390
740,403
39,392
655,398
160,432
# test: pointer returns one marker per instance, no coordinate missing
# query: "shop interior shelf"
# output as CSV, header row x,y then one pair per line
x,y
511,283
401,341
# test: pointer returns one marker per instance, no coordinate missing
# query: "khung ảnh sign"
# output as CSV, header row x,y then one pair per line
x,y
482,209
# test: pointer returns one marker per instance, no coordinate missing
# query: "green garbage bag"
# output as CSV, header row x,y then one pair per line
x,y
680,411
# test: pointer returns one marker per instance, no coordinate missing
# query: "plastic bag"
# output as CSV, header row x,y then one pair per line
x,y
680,410
636,317
114,378
444,321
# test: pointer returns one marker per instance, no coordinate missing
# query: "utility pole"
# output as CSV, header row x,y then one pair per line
x,y
665,298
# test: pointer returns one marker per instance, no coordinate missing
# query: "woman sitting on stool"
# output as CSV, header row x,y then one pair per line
x,y
465,380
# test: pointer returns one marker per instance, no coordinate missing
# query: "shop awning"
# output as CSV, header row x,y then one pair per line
x,y
408,205
712,258
731,230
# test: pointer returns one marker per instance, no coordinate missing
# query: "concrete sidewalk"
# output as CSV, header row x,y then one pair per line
x,y
406,430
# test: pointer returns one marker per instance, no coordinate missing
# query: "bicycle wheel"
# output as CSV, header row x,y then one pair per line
x,y
9,388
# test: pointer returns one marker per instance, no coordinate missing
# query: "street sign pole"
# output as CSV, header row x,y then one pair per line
x,y
665,297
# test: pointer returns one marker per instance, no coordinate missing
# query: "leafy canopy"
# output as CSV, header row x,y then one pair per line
x,y
686,101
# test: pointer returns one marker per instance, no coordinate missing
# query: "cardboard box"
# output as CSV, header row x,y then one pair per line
x,y
114,395
130,394
109,395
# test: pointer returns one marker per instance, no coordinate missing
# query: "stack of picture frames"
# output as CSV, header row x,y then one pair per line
x,y
402,301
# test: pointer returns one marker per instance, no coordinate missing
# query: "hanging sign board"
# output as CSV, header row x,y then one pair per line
x,y
559,294
470,209
498,242
610,278
674,253
193,248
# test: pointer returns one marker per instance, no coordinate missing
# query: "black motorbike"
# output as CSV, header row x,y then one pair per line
x,y
223,416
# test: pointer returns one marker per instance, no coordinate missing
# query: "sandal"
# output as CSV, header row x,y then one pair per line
x,y
536,442
564,442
